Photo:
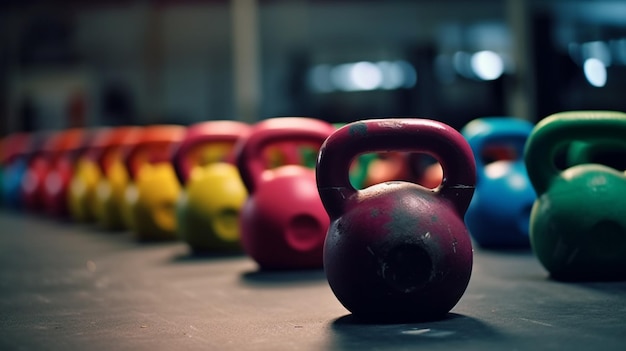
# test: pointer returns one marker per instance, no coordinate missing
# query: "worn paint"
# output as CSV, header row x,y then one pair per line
x,y
358,128
401,220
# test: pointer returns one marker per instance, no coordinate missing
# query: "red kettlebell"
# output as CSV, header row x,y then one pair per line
x,y
283,222
32,183
397,250
64,150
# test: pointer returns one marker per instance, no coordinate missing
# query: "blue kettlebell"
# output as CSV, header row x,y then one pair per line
x,y
499,215
15,162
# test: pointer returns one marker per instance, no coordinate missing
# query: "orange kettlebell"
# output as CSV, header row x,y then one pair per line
x,y
61,151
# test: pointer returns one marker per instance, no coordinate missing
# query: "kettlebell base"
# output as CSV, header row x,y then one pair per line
x,y
394,318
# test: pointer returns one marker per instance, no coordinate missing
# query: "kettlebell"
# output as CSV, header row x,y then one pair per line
x,y
151,196
386,166
84,181
577,224
397,251
109,194
39,163
208,208
499,214
63,151
404,166
283,222
607,152
16,152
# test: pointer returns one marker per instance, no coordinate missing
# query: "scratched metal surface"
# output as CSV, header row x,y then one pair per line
x,y
70,287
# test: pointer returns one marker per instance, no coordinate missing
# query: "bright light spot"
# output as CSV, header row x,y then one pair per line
x,y
498,169
365,76
595,72
427,332
487,65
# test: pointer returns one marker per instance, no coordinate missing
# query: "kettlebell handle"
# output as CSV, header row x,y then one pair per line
x,y
560,129
210,132
486,131
249,158
133,152
398,134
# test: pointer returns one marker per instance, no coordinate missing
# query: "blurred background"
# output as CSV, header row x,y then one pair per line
x,y
69,63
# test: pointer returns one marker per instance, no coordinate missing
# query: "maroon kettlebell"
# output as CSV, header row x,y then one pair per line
x,y
397,251
283,222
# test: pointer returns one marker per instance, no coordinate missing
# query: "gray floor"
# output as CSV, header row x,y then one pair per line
x,y
73,287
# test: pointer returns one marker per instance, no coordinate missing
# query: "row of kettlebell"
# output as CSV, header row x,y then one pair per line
x,y
168,182
394,248
37,169
99,188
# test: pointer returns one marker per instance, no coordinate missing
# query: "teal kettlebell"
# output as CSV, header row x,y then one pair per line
x,y
499,214
577,225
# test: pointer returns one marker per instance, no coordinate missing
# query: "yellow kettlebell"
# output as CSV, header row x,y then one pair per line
x,y
208,208
87,173
111,187
151,195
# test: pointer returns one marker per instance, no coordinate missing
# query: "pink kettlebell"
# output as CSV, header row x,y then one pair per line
x,y
283,222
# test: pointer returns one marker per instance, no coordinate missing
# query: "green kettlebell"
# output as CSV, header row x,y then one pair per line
x,y
607,152
577,224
